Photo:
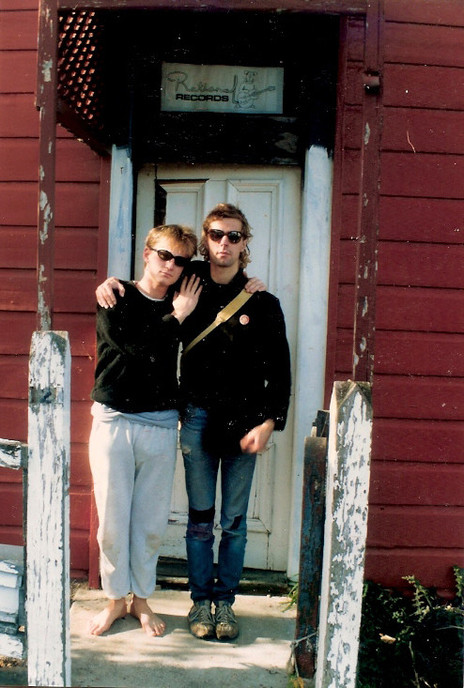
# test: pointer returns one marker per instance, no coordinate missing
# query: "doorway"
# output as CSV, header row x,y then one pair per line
x,y
279,170
270,198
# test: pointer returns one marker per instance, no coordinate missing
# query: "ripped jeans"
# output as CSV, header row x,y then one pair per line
x,y
201,472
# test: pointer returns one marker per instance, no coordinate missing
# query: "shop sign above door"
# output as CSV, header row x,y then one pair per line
x,y
221,88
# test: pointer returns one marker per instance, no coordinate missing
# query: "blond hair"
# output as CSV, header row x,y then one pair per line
x,y
179,233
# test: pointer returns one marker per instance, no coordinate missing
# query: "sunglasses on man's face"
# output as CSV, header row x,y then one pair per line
x,y
216,235
165,256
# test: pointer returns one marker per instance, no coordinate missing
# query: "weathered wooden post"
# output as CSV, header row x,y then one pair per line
x,y
47,546
345,534
311,549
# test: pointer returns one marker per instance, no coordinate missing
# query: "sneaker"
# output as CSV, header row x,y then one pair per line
x,y
226,623
200,619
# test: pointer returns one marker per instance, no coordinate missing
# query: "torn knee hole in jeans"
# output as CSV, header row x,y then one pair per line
x,y
200,531
201,523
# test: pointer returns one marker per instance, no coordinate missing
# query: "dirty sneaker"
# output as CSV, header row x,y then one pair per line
x,y
200,619
226,623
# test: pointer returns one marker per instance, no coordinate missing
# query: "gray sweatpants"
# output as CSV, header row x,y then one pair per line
x,y
133,469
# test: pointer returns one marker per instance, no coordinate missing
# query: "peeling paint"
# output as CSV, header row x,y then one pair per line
x,y
41,277
47,214
47,67
43,200
365,307
367,134
345,536
42,308
13,454
49,663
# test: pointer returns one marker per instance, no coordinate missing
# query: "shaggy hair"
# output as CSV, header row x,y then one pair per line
x,y
224,211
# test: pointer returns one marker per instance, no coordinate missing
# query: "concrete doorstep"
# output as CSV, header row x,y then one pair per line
x,y
126,657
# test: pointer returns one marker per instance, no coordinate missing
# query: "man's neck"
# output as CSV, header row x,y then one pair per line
x,y
223,275
154,291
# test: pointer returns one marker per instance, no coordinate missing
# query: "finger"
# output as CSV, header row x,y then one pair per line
x,y
109,297
190,283
195,286
194,283
101,300
246,442
105,304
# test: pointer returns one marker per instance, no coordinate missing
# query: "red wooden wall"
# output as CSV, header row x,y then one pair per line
x,y
416,517
76,255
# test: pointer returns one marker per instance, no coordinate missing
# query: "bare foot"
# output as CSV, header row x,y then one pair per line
x,y
115,609
151,623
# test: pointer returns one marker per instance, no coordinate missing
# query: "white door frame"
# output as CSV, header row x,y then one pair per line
x,y
312,324
312,316
120,216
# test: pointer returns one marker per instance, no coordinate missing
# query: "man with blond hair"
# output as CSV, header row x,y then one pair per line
x,y
133,440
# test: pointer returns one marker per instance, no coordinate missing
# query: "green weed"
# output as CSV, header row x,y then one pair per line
x,y
408,641
411,642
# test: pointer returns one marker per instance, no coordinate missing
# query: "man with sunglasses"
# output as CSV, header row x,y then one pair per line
x,y
235,387
132,446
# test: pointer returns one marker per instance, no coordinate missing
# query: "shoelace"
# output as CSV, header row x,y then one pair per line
x,y
224,614
203,614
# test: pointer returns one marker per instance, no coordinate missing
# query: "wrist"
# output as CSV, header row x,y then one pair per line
x,y
178,316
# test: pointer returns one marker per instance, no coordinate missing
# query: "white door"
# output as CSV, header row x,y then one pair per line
x,y
270,198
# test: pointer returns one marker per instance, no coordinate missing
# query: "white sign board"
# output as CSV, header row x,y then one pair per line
x,y
221,88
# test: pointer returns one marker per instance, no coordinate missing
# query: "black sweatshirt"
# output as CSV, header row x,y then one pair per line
x,y
137,348
243,366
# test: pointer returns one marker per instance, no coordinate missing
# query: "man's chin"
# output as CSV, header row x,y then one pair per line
x,y
166,281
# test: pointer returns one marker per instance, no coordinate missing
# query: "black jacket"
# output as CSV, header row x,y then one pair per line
x,y
137,348
242,368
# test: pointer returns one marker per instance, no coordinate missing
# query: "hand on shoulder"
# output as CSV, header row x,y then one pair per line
x,y
105,292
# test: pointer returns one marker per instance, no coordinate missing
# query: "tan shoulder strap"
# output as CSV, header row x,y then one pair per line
x,y
221,317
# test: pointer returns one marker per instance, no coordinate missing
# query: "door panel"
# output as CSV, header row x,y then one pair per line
x,y
270,198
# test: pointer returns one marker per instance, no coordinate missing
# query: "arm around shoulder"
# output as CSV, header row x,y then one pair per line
x,y
104,293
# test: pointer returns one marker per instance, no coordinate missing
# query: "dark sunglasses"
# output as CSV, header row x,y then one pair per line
x,y
180,261
216,235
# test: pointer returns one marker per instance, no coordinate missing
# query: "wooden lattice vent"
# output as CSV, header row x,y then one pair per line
x,y
80,66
